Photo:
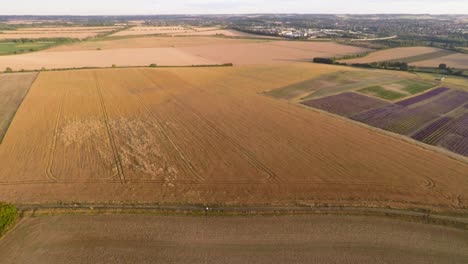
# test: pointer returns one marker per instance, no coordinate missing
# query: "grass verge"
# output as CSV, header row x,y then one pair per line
x,y
381,92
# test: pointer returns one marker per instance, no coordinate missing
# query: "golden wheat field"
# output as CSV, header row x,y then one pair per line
x,y
208,135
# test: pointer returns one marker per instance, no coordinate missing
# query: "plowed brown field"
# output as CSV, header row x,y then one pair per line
x,y
207,135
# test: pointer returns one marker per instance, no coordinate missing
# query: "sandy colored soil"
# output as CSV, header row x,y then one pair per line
x,y
178,51
393,54
13,88
272,52
457,61
152,42
102,58
206,135
286,239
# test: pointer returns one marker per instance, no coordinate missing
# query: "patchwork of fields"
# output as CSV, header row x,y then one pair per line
x,y
208,135
416,56
438,117
183,31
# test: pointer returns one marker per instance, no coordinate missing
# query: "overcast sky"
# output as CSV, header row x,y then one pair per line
x,y
130,7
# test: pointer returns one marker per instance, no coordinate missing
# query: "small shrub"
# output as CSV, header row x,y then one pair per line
x,y
8,214
114,66
153,65
8,69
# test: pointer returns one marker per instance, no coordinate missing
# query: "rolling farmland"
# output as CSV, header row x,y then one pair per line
x,y
207,135
394,54
55,32
13,88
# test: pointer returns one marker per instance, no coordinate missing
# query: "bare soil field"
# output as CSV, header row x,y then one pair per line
x,y
457,61
393,54
285,239
208,136
13,88
177,51
102,58
55,32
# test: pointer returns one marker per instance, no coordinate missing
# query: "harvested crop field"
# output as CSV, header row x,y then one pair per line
x,y
102,58
285,239
208,135
152,42
457,61
55,32
393,54
167,51
13,88
272,52
183,31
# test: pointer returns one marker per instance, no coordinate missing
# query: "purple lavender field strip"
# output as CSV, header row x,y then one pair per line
x,y
345,104
429,130
422,97
455,143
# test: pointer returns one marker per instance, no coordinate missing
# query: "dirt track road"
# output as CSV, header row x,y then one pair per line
x,y
260,239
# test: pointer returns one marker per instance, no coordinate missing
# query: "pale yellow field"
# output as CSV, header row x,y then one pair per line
x,y
457,61
393,54
177,51
272,52
153,42
208,135
103,58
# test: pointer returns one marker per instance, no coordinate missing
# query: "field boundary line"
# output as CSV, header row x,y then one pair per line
x,y
456,221
7,127
117,160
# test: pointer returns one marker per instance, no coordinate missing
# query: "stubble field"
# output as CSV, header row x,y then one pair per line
x,y
176,51
208,135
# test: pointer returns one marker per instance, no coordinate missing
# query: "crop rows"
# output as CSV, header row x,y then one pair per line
x,y
345,104
421,117
422,97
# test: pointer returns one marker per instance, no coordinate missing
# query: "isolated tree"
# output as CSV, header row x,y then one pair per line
x,y
443,66
8,69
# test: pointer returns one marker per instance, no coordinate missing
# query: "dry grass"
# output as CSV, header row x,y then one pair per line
x,y
393,54
206,135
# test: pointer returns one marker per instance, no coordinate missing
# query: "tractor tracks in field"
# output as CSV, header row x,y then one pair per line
x,y
118,162
53,147
247,154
